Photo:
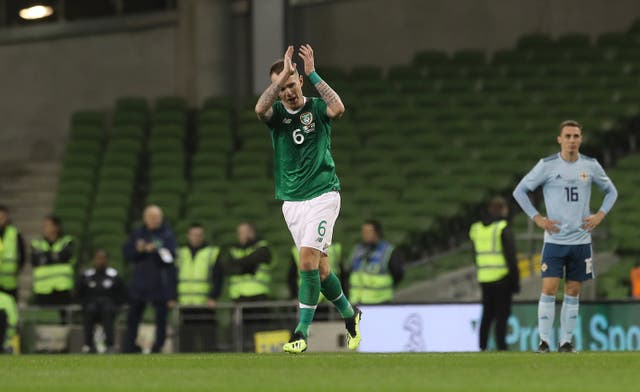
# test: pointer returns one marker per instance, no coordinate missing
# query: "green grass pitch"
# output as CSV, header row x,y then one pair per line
x,y
323,372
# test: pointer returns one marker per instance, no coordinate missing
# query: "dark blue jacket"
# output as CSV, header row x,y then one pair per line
x,y
152,278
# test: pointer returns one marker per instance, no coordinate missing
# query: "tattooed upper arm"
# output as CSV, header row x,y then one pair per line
x,y
265,116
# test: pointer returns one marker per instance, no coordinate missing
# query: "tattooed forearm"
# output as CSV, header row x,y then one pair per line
x,y
268,97
328,94
335,107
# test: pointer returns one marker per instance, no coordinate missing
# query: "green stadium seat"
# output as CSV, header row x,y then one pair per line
x,y
75,228
87,118
71,213
469,57
172,103
206,213
134,104
573,40
169,117
214,146
111,186
133,118
79,187
161,145
175,158
614,40
65,201
404,72
114,158
169,187
84,147
87,132
112,200
125,132
106,227
220,118
117,173
534,41
430,57
218,103
109,214
169,131
213,171
80,159
509,57
77,173
585,55
166,172
445,71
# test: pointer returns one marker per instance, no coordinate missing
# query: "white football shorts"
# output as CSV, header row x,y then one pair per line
x,y
311,221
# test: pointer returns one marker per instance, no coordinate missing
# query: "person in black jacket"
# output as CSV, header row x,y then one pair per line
x,y
497,266
100,290
152,250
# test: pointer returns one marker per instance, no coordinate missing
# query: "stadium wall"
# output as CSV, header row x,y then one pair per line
x,y
47,72
44,81
357,32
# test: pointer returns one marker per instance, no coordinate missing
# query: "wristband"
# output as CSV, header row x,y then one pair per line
x,y
315,78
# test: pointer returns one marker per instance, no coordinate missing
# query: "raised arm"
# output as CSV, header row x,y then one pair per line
x,y
335,107
264,106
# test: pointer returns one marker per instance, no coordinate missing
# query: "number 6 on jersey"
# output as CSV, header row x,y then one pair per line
x,y
298,136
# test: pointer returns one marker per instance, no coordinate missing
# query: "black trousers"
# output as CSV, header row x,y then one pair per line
x,y
102,312
252,321
198,330
4,326
55,298
134,316
496,307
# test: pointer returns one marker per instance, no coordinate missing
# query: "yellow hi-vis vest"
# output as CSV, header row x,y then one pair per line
x,y
9,258
194,274
370,280
487,242
250,285
8,305
58,277
335,255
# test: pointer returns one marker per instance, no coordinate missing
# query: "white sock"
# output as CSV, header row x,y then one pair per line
x,y
568,318
546,316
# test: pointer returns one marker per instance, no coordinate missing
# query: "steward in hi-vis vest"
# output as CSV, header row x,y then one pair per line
x,y
53,260
247,265
376,267
11,254
198,270
497,270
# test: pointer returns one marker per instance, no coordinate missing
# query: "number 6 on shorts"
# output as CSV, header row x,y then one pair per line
x,y
322,230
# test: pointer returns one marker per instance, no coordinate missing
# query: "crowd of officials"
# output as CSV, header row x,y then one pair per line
x,y
165,275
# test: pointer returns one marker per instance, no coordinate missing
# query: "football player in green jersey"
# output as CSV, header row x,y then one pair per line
x,y
306,182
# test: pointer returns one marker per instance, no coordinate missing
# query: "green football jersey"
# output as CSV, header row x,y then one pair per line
x,y
303,167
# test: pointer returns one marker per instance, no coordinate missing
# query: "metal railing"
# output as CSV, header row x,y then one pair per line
x,y
262,315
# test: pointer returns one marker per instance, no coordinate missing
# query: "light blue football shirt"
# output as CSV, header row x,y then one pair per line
x,y
566,187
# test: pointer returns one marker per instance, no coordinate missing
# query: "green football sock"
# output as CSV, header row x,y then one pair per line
x,y
332,290
308,297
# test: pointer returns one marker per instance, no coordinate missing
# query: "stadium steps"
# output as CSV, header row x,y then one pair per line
x,y
29,192
461,284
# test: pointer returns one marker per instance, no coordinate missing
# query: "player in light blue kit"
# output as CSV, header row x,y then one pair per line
x,y
566,180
